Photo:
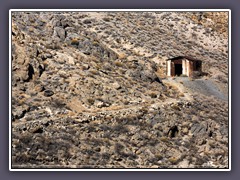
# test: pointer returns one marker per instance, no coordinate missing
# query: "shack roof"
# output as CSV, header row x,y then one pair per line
x,y
183,57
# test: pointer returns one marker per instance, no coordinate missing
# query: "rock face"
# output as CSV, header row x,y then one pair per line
x,y
88,90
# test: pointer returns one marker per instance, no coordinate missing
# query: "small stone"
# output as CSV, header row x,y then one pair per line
x,y
87,21
45,56
48,93
185,130
59,32
38,130
39,88
116,85
85,66
183,164
100,104
71,60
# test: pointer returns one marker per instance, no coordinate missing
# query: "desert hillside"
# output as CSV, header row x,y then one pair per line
x,y
89,90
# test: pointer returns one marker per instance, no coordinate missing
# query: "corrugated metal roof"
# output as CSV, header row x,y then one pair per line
x,y
183,57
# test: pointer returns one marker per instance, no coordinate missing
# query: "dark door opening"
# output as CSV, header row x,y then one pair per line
x,y
178,69
198,66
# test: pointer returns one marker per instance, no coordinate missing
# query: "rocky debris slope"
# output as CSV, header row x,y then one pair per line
x,y
190,86
87,91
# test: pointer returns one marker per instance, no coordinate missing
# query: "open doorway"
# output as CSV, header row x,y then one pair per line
x,y
178,69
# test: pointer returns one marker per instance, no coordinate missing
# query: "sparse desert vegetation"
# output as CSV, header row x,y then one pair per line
x,y
89,90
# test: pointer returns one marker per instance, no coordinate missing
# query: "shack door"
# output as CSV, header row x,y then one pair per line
x,y
178,69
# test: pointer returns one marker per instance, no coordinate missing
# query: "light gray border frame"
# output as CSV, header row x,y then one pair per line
x,y
118,10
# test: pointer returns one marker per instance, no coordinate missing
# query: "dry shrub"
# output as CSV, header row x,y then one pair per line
x,y
164,139
176,107
181,95
31,29
153,94
90,101
93,72
173,160
118,64
106,19
74,42
53,45
95,43
122,56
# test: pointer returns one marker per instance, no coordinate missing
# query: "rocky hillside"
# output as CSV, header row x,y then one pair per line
x,y
89,90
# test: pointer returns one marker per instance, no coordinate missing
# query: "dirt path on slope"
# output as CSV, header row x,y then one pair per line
x,y
189,87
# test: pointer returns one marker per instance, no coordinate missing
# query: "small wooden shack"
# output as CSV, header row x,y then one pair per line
x,y
183,65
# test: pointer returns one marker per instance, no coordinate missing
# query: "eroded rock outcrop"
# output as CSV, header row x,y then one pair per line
x,y
87,91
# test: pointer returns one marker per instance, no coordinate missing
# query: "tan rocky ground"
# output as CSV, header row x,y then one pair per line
x,y
89,90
